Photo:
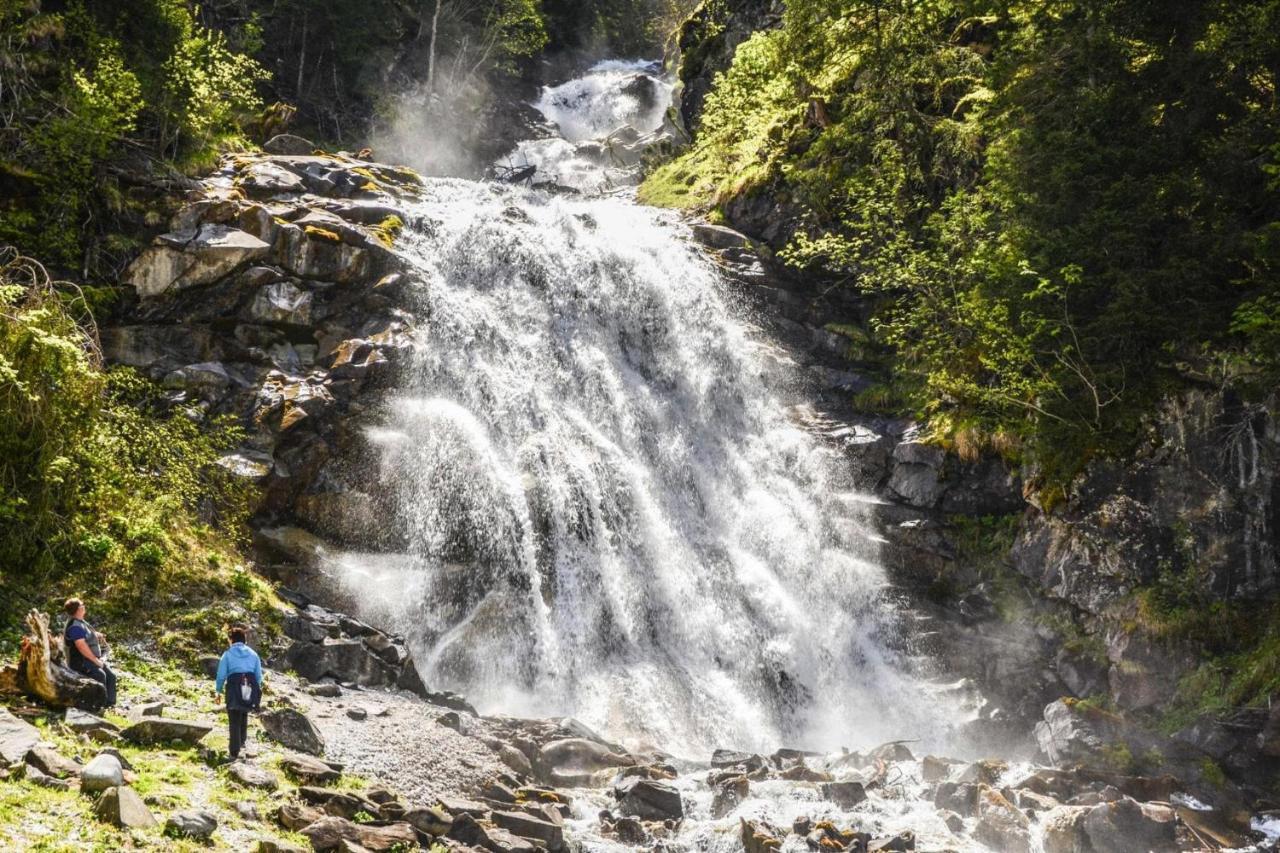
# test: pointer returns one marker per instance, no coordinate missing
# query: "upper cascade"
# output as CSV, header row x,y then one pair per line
x,y
604,121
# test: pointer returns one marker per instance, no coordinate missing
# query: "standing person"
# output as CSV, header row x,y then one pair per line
x,y
240,672
85,647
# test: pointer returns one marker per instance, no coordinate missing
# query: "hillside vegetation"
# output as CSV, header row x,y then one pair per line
x,y
1061,212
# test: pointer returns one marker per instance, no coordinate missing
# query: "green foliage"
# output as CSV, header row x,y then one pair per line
x,y
87,88
1060,210
101,482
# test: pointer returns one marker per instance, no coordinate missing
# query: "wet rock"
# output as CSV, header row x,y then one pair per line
x,y
935,769
253,776
719,237
206,376
345,660
954,822
292,729
1066,734
196,824
892,752
17,738
544,832
649,800
758,837
957,797
917,473
804,773
123,807
846,795
1126,824
1000,824
630,830
985,772
309,770
903,841
329,833
51,762
728,795
579,755
103,772
1064,830
155,730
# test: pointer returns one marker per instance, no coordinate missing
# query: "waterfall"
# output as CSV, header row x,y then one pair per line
x,y
609,513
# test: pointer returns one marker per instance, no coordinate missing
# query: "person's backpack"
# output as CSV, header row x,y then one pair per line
x,y
243,691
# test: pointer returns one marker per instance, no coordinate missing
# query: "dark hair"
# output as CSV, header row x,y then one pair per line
x,y
72,605
238,633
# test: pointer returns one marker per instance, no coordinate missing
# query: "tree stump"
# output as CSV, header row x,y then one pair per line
x,y
42,674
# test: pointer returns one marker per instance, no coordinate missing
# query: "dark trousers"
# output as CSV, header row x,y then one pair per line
x,y
103,675
239,724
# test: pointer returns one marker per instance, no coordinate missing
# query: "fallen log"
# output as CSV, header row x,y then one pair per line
x,y
42,674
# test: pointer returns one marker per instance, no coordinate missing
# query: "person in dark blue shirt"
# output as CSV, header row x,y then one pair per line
x,y
85,649
240,673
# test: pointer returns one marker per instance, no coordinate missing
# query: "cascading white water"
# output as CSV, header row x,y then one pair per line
x,y
601,119
610,514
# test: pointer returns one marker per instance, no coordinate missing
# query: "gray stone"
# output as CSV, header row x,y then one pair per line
x,y
719,237
546,833
292,728
433,820
1064,830
36,776
156,730
579,755
152,709
248,811
253,776
197,824
123,807
1269,737
103,772
846,795
729,794
288,143
189,259
329,833
266,178
271,845
48,760
205,376
17,738
307,769
1065,735
357,713
1001,825
82,722
648,799
1126,824
346,660
281,302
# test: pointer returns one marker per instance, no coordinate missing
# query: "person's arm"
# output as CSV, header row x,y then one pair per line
x,y
257,670
222,675
83,648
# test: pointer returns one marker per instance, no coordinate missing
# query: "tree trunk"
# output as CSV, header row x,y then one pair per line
x,y
42,674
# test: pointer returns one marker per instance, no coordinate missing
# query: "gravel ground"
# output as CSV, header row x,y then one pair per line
x,y
398,744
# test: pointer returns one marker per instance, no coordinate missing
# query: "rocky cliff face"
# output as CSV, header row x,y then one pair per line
x,y
276,298
1055,601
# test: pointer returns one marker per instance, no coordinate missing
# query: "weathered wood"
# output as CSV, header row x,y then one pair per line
x,y
41,672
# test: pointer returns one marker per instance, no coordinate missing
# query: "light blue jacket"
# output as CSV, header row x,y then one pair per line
x,y
238,658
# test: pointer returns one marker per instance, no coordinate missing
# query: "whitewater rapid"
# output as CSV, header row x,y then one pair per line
x,y
609,513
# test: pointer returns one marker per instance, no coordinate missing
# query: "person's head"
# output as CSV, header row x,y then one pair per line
x,y
237,634
74,608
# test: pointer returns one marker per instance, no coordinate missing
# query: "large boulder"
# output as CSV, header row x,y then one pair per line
x,y
1127,825
467,830
579,755
48,760
17,738
191,258
1064,830
253,776
123,807
292,729
1069,733
648,799
346,660
309,770
1000,824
